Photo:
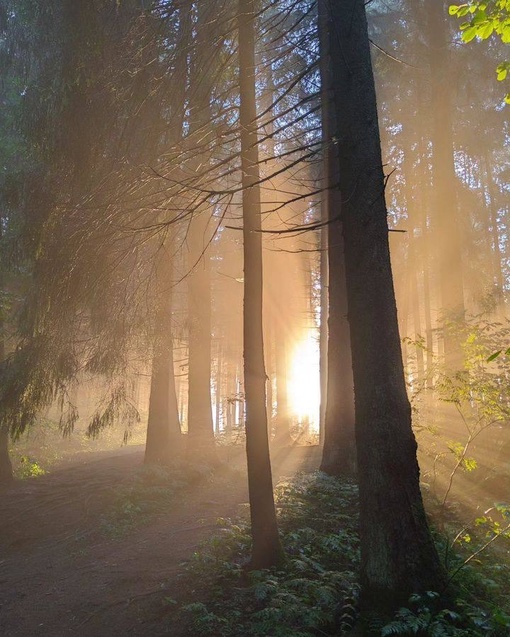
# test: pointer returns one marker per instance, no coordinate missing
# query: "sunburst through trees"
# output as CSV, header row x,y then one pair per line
x,y
197,214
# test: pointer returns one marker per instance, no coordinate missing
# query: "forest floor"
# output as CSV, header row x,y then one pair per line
x,y
69,566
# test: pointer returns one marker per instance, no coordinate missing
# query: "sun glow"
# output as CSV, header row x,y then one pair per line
x,y
304,382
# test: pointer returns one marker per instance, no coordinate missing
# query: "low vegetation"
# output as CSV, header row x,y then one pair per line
x,y
151,490
316,591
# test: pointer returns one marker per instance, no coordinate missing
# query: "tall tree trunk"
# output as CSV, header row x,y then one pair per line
x,y
200,418
324,313
282,436
218,384
266,548
6,475
338,456
447,221
420,363
493,229
398,556
426,254
164,435
163,443
279,287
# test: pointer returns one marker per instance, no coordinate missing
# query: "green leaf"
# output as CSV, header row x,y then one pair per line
x,y
494,356
486,31
479,17
463,10
469,34
453,9
469,464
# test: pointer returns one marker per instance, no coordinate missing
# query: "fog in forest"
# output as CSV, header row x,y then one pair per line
x,y
254,262
143,267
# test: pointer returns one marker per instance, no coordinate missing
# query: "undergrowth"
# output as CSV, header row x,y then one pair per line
x,y
315,592
43,448
152,490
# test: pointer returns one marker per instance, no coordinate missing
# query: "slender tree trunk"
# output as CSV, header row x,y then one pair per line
x,y
447,226
398,556
404,298
326,112
420,364
164,435
414,264
282,423
339,451
218,389
494,230
6,475
278,289
266,548
200,418
429,340
323,334
426,260
269,359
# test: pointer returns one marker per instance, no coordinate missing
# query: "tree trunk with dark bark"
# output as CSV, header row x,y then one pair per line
x,y
266,547
398,556
6,475
339,450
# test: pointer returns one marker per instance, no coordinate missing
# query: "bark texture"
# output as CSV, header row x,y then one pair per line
x,y
339,451
6,475
398,555
266,547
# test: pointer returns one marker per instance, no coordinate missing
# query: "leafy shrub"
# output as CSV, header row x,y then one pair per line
x,y
27,467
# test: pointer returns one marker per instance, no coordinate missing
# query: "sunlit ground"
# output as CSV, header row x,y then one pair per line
x,y
304,382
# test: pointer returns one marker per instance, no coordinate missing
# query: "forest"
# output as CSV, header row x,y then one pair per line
x,y
254,318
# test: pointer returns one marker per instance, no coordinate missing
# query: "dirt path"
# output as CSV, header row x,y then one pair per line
x,y
61,575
